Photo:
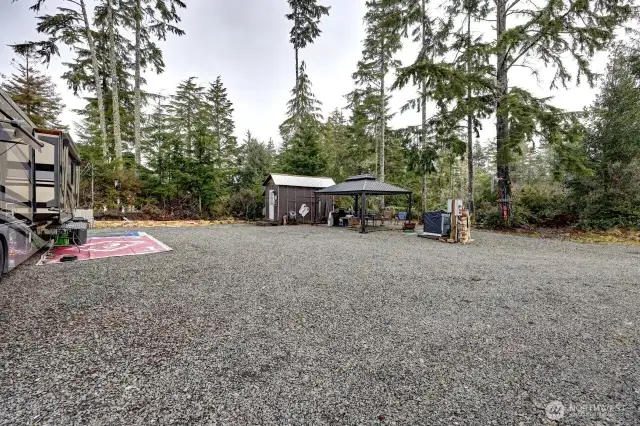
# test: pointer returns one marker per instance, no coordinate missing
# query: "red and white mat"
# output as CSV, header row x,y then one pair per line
x,y
128,244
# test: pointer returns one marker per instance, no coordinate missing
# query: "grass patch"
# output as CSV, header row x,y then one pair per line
x,y
160,223
612,236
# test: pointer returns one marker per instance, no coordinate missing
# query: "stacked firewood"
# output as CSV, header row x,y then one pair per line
x,y
464,230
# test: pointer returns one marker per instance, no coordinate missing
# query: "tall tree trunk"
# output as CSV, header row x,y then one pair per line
x,y
382,131
502,117
136,93
469,119
376,138
423,108
382,125
97,80
297,67
117,137
295,47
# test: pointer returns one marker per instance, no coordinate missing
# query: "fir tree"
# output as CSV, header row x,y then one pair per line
x,y
559,35
223,128
33,91
79,78
362,152
72,27
382,41
301,152
431,34
149,21
157,148
256,161
184,109
609,196
304,155
306,15
115,90
303,106
335,144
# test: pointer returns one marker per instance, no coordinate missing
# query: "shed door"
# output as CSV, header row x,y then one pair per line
x,y
272,202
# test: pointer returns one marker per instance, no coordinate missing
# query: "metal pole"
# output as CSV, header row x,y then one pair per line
x,y
364,207
409,212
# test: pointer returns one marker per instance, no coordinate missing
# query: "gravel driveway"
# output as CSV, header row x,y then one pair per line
x,y
309,325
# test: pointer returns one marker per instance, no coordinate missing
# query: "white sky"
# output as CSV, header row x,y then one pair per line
x,y
247,43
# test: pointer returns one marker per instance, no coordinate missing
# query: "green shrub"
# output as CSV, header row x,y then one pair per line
x,y
537,204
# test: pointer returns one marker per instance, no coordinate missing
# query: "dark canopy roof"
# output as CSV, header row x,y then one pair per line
x,y
363,184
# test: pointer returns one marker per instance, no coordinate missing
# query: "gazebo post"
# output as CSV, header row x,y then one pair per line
x,y
409,212
364,208
356,205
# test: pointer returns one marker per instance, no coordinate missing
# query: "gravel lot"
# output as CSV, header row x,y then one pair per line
x,y
308,325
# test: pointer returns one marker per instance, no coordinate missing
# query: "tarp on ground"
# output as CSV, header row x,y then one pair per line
x,y
127,244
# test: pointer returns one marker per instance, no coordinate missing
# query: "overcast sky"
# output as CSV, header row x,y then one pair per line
x,y
247,43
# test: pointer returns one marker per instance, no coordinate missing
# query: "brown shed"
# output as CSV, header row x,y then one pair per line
x,y
285,194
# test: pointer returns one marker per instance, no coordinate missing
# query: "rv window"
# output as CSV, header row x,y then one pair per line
x,y
49,139
44,175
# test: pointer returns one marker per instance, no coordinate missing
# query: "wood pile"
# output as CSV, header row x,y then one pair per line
x,y
464,230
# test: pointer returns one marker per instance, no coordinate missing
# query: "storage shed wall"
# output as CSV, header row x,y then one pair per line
x,y
291,198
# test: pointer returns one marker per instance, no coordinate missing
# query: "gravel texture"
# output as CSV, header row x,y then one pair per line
x,y
309,325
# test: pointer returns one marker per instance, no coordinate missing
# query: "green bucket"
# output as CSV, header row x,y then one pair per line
x,y
62,240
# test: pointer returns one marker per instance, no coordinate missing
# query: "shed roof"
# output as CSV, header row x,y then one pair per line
x,y
363,183
299,181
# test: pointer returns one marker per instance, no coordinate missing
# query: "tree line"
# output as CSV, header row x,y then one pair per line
x,y
178,155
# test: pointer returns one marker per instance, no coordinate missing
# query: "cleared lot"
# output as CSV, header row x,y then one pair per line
x,y
309,325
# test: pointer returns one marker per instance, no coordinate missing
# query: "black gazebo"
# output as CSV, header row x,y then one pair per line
x,y
361,186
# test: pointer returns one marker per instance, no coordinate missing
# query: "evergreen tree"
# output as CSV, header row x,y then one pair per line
x,y
461,87
149,21
256,161
610,195
303,107
362,151
110,16
304,155
183,109
306,15
551,32
158,147
382,41
33,91
71,26
206,178
431,34
223,128
335,144
480,158
80,79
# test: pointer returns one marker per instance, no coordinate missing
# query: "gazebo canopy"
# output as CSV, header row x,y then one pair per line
x,y
360,184
360,187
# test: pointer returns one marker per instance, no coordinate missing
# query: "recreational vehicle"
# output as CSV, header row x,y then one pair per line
x,y
38,184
